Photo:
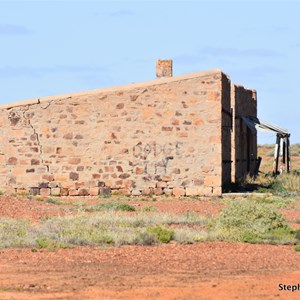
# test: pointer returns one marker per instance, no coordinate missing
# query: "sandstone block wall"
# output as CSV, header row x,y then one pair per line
x,y
167,136
226,122
244,142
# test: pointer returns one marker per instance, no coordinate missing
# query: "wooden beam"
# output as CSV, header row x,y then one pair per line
x,y
276,155
288,160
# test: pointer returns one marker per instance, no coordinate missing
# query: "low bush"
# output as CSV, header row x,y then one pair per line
x,y
246,221
107,227
284,185
55,201
112,206
13,233
148,208
49,244
189,235
287,183
275,201
162,235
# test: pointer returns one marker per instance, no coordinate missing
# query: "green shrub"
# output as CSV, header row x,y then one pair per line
x,y
268,146
113,206
145,238
295,150
49,244
189,235
148,208
297,248
288,183
246,221
78,230
38,198
104,196
13,233
161,234
107,227
278,202
54,201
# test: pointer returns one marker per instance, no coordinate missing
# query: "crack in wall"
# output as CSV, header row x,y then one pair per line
x,y
37,135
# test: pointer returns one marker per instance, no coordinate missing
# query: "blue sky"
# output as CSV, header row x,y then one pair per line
x,y
55,47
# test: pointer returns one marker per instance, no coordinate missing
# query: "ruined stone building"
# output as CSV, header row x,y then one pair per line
x,y
180,135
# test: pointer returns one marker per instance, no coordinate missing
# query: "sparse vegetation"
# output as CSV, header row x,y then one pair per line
x,y
160,234
297,248
249,218
246,221
104,196
13,233
148,208
275,201
190,236
285,185
55,201
268,146
266,151
49,244
288,183
109,227
113,206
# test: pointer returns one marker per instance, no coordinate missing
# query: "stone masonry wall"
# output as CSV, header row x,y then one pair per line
x,y
226,131
163,136
244,141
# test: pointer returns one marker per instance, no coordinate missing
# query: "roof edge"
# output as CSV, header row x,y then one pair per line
x,y
112,89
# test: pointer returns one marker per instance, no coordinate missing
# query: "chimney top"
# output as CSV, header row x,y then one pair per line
x,y
164,68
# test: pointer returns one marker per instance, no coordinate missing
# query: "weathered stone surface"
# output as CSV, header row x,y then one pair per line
x,y
83,192
174,135
43,185
73,192
12,161
94,191
53,184
164,68
167,178
158,191
168,191
177,192
189,191
74,176
104,191
64,192
147,192
161,184
34,191
35,162
44,192
136,193
48,177
55,192
125,192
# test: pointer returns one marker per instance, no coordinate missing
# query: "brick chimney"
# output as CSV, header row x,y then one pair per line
x,y
164,68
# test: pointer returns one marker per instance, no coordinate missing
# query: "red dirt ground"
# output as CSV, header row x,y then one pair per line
x,y
210,270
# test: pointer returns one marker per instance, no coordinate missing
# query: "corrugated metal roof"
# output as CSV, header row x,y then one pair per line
x,y
256,124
